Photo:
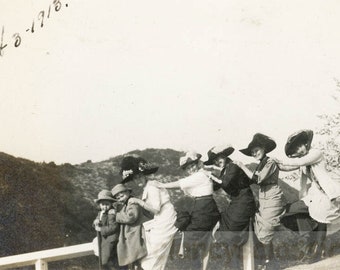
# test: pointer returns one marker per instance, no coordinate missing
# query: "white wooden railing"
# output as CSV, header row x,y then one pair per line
x,y
41,258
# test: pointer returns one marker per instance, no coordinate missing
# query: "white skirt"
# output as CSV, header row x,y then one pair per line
x,y
320,206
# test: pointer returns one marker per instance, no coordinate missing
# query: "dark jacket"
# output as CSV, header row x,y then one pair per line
x,y
242,206
109,235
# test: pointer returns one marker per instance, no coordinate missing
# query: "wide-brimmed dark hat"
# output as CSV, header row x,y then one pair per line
x,y
133,165
304,136
218,151
189,158
260,140
104,195
118,189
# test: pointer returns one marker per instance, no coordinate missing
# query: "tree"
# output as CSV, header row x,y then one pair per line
x,y
330,131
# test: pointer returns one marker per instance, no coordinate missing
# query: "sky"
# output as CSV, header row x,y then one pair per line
x,y
100,79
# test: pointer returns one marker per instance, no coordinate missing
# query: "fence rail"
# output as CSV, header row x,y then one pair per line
x,y
41,258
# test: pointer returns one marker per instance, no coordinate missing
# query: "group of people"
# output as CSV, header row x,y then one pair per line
x,y
137,233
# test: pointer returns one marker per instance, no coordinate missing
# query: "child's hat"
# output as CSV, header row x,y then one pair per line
x,y
189,158
218,151
304,136
260,140
118,189
104,195
133,165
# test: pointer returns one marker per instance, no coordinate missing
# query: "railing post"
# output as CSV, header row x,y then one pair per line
x,y
248,250
41,265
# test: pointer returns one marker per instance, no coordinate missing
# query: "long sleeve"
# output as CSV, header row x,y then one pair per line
x,y
313,156
129,214
229,175
112,226
266,172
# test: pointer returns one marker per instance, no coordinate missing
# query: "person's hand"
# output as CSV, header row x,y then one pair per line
x,y
210,167
117,206
156,184
96,222
238,163
97,228
135,201
276,160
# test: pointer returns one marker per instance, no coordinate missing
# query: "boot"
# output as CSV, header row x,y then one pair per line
x,y
307,241
270,261
316,251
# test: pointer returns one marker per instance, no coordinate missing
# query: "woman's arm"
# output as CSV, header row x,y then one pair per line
x,y
212,168
283,167
286,168
313,156
153,200
166,185
244,168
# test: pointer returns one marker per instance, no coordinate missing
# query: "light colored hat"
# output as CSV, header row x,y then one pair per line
x,y
118,189
189,158
104,195
217,151
300,137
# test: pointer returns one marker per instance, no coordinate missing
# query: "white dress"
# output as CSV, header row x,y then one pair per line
x,y
160,231
318,193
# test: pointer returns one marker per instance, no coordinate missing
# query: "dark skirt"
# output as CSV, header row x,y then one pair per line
x,y
204,214
235,219
196,214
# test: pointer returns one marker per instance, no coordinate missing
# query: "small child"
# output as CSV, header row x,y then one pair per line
x,y
106,224
131,246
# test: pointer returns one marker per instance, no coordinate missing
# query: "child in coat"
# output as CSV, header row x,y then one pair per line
x,y
108,229
131,246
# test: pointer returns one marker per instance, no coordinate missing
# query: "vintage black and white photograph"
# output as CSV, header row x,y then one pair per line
x,y
169,135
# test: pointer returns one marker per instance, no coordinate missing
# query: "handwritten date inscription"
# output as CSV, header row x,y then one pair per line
x,y
39,20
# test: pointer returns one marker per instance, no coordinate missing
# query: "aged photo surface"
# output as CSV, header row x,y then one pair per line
x,y
85,84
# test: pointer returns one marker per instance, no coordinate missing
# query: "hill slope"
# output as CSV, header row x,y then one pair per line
x,y
46,206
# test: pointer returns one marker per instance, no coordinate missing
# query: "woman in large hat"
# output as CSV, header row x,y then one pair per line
x,y
234,223
271,200
159,231
320,199
197,219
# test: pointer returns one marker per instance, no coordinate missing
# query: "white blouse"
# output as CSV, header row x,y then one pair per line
x,y
197,184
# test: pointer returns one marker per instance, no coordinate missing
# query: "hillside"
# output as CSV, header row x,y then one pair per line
x,y
47,206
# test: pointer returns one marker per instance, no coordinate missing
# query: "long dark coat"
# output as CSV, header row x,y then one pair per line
x,y
131,245
109,235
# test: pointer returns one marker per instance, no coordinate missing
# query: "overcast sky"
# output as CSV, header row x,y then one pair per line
x,y
105,77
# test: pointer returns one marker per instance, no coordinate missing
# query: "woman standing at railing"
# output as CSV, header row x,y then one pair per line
x,y
271,200
234,224
198,217
160,230
320,198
